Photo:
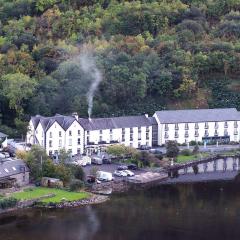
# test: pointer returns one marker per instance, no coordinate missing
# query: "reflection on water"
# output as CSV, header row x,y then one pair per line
x,y
199,211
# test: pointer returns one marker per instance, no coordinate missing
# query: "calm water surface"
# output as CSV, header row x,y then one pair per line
x,y
200,211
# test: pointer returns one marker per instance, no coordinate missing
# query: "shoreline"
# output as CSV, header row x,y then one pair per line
x,y
92,200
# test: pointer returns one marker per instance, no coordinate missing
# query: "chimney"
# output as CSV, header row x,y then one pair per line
x,y
75,114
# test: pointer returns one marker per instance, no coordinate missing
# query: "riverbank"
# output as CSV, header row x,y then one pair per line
x,y
51,198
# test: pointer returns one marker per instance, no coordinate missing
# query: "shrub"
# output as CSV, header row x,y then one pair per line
x,y
195,149
8,202
192,143
77,172
76,184
186,152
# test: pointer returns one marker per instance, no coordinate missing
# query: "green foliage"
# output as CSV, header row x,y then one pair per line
x,y
172,149
76,185
186,152
8,202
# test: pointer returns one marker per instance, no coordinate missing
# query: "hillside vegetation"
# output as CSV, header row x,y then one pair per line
x,y
153,54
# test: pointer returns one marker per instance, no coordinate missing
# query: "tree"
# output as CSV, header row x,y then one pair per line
x,y
17,87
172,149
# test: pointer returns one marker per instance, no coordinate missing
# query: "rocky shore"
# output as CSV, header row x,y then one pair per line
x,y
94,199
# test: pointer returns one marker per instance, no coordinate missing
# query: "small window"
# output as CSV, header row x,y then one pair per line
x,y
70,133
50,134
78,151
79,132
60,134
100,131
50,143
60,143
70,142
79,141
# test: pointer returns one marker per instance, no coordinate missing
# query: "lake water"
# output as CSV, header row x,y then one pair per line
x,y
175,212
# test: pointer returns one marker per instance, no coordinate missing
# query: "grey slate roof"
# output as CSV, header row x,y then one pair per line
x,y
64,121
3,135
114,122
198,115
11,165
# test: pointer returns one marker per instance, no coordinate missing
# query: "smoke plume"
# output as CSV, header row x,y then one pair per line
x,y
88,65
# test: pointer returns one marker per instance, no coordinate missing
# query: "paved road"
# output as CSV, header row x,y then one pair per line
x,y
107,168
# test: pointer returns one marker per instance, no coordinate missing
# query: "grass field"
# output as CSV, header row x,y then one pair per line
x,y
34,193
183,158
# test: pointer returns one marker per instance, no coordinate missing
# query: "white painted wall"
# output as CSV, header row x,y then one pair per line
x,y
201,131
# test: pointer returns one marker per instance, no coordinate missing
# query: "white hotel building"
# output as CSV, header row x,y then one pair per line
x,y
200,125
79,135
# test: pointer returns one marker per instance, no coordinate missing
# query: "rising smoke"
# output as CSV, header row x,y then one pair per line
x,y
88,65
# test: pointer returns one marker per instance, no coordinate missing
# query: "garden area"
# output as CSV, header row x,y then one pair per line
x,y
49,195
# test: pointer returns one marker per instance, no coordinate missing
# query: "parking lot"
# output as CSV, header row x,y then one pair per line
x,y
108,168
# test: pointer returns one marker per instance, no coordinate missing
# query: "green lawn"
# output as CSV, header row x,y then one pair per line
x,y
37,192
182,158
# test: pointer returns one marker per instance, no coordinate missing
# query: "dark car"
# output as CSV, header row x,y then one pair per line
x,y
91,179
132,167
144,147
122,167
107,161
156,151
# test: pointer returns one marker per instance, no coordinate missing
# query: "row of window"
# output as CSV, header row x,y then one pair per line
x,y
206,126
196,134
69,151
69,142
60,133
123,130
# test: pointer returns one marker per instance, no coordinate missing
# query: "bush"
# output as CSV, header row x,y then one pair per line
x,y
195,149
8,202
77,172
76,185
192,143
186,152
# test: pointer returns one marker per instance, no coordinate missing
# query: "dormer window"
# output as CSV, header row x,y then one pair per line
x,y
166,127
206,125
186,126
235,124
176,126
226,124
216,125
100,131
196,126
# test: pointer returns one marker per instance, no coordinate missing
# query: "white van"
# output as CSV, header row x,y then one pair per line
x,y
104,176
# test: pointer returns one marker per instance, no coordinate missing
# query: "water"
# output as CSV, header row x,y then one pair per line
x,y
175,212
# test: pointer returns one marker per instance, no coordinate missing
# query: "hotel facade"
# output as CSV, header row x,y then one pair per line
x,y
79,135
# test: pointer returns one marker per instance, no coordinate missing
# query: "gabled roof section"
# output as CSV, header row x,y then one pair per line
x,y
64,121
198,115
115,122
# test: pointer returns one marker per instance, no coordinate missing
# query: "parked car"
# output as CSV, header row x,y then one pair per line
x,y
122,167
91,179
120,173
104,176
144,147
155,151
129,173
106,161
97,160
132,167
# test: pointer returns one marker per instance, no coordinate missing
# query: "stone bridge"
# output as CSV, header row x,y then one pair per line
x,y
217,163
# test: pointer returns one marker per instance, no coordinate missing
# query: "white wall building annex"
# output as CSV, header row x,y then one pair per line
x,y
200,125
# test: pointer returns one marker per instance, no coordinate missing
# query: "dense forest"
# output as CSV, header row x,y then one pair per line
x,y
153,54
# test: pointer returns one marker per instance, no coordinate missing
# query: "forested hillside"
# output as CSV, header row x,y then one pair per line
x,y
153,54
